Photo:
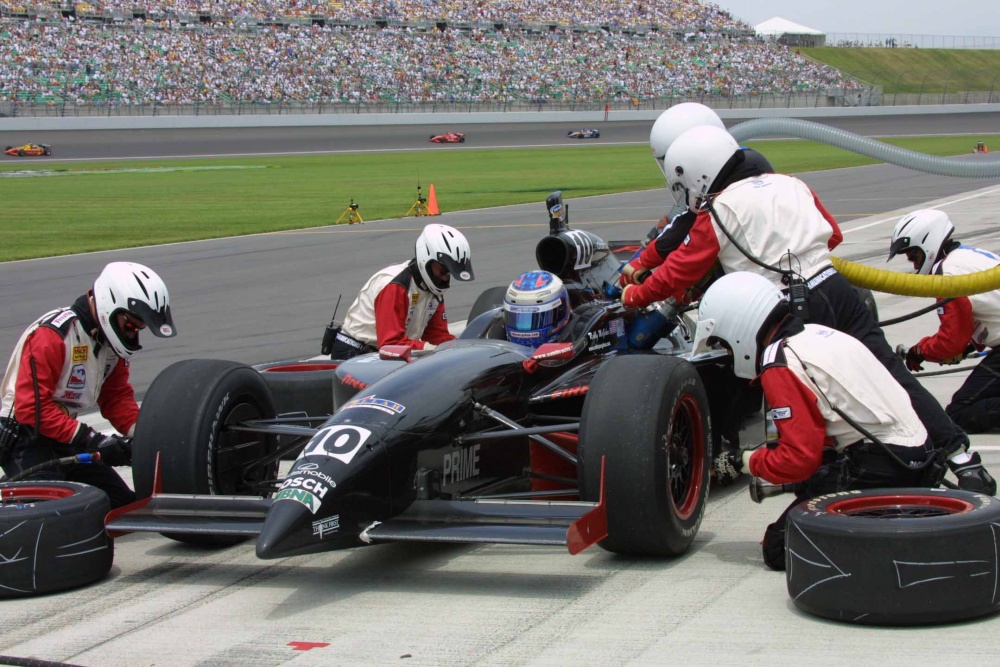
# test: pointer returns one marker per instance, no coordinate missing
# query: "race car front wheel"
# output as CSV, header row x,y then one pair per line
x,y
186,415
302,388
52,537
894,556
648,416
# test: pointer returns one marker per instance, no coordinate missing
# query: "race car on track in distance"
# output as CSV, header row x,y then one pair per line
x,y
585,133
602,436
448,138
28,149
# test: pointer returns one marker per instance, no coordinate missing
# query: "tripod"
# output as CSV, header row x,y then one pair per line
x,y
420,206
350,214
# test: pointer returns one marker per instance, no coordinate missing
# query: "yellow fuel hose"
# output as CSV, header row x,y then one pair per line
x,y
909,284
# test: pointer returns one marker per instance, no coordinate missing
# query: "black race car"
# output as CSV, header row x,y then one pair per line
x,y
603,436
586,133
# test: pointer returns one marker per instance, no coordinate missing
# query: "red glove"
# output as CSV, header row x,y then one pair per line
x,y
633,273
630,298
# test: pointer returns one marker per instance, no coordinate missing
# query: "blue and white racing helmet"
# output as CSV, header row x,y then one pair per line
x,y
536,307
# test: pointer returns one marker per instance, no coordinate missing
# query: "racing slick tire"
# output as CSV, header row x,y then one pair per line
x,y
461,140
299,387
894,556
489,299
648,416
48,151
184,417
20,153
491,326
52,537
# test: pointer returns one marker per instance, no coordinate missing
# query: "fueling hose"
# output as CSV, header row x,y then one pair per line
x,y
882,280
901,157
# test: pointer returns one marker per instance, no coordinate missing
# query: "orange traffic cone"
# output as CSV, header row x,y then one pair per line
x,y
432,202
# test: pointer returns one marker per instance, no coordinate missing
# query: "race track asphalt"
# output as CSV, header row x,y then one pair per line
x,y
268,297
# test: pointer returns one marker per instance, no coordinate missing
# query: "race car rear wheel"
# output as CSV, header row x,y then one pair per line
x,y
184,417
894,556
52,537
648,416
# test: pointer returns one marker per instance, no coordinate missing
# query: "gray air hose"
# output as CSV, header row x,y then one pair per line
x,y
901,157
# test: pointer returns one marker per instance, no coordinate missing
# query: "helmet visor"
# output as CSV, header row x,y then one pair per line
x,y
532,318
160,323
898,246
459,270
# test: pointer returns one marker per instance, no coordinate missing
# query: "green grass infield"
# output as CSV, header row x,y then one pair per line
x,y
56,208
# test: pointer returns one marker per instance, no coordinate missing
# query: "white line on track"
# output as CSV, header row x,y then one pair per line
x,y
941,205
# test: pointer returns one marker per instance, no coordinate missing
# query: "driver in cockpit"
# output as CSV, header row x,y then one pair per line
x,y
536,308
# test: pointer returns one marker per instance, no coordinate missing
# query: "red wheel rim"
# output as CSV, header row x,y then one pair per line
x,y
685,456
900,506
301,368
23,494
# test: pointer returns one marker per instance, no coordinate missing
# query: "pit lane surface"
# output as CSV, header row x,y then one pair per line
x,y
268,297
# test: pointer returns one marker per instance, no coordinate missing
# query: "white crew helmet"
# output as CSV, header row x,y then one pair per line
x,y
674,122
928,230
137,291
734,309
447,246
696,159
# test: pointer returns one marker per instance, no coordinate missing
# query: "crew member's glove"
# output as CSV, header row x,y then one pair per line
x,y
428,347
633,273
629,297
114,449
914,360
729,465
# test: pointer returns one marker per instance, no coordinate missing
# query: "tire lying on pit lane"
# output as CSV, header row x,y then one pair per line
x,y
648,415
184,416
894,556
52,537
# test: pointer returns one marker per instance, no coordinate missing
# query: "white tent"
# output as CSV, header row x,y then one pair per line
x,y
789,32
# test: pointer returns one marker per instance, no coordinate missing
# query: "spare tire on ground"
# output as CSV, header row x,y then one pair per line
x,y
52,537
894,556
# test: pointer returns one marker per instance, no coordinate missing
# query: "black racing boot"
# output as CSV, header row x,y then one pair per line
x,y
972,476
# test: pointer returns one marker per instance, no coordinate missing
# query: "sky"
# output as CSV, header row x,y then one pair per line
x,y
916,17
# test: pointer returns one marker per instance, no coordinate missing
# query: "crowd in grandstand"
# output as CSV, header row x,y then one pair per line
x,y
145,62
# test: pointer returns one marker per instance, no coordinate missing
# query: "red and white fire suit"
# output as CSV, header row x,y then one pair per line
x,y
769,216
802,375
967,319
74,373
393,308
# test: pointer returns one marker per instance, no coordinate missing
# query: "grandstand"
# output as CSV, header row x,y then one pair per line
x,y
230,54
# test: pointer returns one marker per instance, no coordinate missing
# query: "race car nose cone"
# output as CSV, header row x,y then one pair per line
x,y
287,531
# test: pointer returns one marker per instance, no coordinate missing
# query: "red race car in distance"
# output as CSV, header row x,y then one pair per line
x,y
449,138
28,149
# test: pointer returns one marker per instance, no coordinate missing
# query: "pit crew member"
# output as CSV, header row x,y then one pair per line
x,y
75,359
831,403
774,225
403,304
968,324
668,234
